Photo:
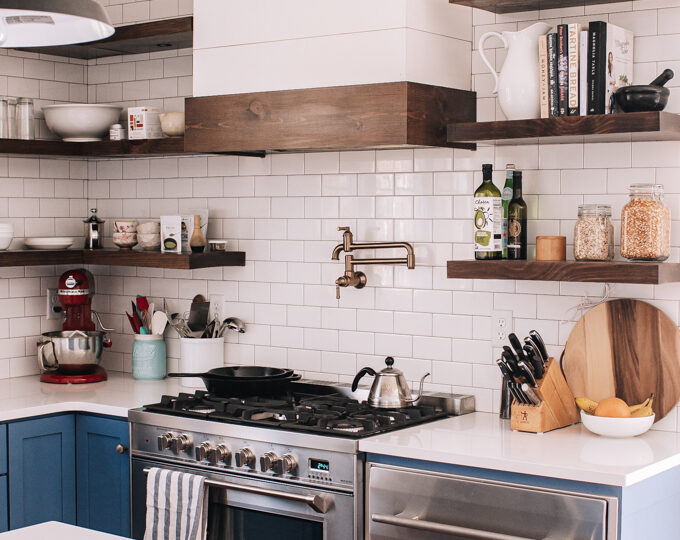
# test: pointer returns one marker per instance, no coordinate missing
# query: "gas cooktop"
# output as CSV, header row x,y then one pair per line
x,y
309,408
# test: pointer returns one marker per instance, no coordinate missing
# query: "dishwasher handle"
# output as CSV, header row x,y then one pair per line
x,y
320,503
433,526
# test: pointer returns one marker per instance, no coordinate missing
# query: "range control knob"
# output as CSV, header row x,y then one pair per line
x,y
220,454
268,461
245,458
180,443
203,450
287,464
165,440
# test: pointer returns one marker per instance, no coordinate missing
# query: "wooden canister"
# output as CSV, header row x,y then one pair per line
x,y
551,248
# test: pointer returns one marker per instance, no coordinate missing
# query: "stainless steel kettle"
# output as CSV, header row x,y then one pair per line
x,y
389,389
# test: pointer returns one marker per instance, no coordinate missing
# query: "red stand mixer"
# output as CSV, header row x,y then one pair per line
x,y
72,355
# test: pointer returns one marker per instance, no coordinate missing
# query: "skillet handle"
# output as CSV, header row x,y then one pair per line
x,y
357,377
188,374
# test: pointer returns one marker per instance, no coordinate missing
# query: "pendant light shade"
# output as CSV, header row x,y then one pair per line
x,y
39,23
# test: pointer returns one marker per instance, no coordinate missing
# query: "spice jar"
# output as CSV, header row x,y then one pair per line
x,y
646,224
594,233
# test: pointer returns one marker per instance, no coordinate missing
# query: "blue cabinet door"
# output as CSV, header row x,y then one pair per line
x,y
103,474
42,471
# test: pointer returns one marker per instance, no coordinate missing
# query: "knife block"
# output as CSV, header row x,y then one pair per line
x,y
557,409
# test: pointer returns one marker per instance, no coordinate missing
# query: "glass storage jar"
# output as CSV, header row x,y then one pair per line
x,y
646,224
25,119
149,360
594,233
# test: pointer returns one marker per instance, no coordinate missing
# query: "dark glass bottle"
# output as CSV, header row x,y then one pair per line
x,y
517,221
488,216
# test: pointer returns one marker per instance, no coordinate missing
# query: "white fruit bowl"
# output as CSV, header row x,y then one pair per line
x,y
81,122
616,427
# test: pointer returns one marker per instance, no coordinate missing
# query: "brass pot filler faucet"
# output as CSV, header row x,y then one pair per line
x,y
357,279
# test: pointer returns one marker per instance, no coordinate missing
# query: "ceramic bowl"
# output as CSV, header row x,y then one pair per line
x,y
616,427
150,227
149,242
125,240
172,123
5,240
81,122
125,226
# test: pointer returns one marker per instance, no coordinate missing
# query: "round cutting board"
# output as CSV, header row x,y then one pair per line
x,y
625,348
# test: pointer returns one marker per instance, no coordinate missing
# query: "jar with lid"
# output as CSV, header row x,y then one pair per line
x,y
594,233
646,224
149,360
25,119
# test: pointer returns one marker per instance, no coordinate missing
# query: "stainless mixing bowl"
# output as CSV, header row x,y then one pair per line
x,y
71,351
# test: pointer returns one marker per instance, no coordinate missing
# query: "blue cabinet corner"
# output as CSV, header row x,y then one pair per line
x,y
103,479
42,471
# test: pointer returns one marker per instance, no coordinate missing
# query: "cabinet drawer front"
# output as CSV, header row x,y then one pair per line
x,y
403,503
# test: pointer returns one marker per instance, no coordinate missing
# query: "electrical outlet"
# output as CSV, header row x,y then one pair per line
x,y
501,326
52,301
216,306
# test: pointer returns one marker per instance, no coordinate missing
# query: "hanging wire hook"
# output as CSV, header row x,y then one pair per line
x,y
588,303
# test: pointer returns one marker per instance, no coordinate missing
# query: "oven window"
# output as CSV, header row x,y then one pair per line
x,y
230,523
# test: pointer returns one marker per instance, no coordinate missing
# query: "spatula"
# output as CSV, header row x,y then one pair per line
x,y
198,316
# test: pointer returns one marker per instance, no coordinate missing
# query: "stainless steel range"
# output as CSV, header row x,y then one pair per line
x,y
286,467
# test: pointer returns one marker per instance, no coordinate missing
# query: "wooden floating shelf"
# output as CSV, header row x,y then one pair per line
x,y
513,6
651,273
385,115
165,35
654,126
148,259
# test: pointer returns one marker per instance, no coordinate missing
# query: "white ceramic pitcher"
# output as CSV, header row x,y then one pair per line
x,y
518,84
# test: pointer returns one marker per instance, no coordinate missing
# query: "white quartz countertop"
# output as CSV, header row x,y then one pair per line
x,y
22,397
572,453
53,530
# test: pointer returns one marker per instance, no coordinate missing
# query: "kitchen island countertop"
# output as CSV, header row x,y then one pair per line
x,y
572,453
55,530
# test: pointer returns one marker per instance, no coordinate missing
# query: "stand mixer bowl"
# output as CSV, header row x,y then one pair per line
x,y
72,352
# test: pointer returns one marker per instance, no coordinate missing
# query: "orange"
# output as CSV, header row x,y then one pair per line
x,y
612,407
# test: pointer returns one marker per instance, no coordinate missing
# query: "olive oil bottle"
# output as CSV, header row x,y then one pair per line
x,y
506,197
517,221
488,216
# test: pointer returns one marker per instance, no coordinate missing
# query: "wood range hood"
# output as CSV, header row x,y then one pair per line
x,y
367,116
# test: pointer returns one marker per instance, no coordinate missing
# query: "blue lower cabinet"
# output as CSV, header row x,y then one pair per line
x,y
103,480
42,471
4,507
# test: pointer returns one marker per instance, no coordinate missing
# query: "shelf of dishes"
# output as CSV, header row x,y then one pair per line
x,y
114,257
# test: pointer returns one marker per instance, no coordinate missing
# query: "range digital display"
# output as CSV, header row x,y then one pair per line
x,y
319,465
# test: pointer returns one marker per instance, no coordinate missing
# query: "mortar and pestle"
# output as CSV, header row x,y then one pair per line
x,y
645,97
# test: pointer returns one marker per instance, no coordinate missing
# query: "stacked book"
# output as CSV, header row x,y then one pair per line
x,y
580,69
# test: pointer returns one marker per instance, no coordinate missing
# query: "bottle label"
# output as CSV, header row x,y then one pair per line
x,y
488,213
507,193
514,232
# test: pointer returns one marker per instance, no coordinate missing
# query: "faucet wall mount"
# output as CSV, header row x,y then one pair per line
x,y
357,279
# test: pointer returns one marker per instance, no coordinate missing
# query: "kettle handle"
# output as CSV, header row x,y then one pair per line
x,y
484,58
364,371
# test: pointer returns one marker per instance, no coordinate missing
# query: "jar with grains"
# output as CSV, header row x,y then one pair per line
x,y
646,224
594,233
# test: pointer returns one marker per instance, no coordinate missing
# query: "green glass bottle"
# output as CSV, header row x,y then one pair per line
x,y
488,216
517,221
506,197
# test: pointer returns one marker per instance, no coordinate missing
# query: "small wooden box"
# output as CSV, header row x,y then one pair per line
x,y
557,408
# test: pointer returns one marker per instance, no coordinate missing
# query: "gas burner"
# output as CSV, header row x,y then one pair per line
x,y
347,425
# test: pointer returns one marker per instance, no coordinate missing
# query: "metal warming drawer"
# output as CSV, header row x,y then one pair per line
x,y
406,503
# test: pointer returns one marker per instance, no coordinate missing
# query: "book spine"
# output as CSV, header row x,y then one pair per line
x,y
553,98
597,39
562,68
543,75
573,47
583,73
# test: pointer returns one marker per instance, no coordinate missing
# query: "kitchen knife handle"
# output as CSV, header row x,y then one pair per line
x,y
527,373
540,343
528,392
535,362
517,345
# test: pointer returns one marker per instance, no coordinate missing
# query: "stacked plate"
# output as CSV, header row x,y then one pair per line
x,y
48,242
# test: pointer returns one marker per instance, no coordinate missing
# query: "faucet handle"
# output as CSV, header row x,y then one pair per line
x,y
343,228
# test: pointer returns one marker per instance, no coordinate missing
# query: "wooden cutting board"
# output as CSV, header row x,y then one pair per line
x,y
628,349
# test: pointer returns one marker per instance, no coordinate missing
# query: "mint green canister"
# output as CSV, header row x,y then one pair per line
x,y
149,357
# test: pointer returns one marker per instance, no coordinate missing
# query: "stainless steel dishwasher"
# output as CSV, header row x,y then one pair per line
x,y
403,503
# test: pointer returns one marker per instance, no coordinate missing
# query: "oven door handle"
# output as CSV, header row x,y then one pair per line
x,y
320,503
433,526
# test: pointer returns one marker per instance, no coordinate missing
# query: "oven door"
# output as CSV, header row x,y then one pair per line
x,y
242,508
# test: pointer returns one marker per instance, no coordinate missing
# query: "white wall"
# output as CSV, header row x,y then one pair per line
x,y
258,45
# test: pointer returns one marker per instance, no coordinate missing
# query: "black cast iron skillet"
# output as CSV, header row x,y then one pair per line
x,y
645,97
241,381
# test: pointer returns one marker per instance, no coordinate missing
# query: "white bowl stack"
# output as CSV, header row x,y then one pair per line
x,y
6,235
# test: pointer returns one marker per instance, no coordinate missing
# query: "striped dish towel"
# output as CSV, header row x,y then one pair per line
x,y
176,506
